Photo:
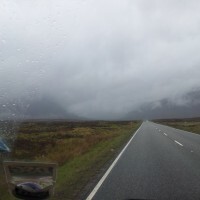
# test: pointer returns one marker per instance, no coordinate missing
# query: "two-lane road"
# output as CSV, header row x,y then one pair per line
x,y
159,163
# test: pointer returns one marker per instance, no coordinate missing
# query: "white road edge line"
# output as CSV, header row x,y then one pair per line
x,y
94,191
178,143
165,134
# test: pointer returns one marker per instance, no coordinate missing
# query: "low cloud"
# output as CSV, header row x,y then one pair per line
x,y
99,59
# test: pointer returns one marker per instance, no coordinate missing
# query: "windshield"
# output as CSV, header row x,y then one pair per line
x,y
79,79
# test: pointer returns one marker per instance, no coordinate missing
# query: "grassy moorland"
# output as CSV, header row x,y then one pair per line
x,y
81,149
191,125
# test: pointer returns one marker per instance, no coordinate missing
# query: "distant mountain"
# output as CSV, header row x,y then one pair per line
x,y
166,109
46,108
43,108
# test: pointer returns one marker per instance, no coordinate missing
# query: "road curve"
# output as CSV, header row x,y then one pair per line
x,y
160,162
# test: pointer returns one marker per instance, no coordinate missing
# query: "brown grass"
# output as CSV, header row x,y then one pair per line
x,y
60,142
191,125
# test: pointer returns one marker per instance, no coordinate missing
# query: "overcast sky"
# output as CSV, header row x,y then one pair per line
x,y
99,58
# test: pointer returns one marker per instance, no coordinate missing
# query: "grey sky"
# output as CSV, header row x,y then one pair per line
x,y
99,58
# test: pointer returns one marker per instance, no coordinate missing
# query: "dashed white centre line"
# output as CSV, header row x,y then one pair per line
x,y
178,143
165,134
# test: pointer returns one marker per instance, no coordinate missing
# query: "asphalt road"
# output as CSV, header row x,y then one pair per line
x,y
159,163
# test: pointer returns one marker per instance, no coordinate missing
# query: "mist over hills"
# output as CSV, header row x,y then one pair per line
x,y
188,107
48,108
36,109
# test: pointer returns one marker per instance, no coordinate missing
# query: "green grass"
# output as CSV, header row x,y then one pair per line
x,y
81,149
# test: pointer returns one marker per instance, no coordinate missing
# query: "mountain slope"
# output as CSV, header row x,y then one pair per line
x,y
168,109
